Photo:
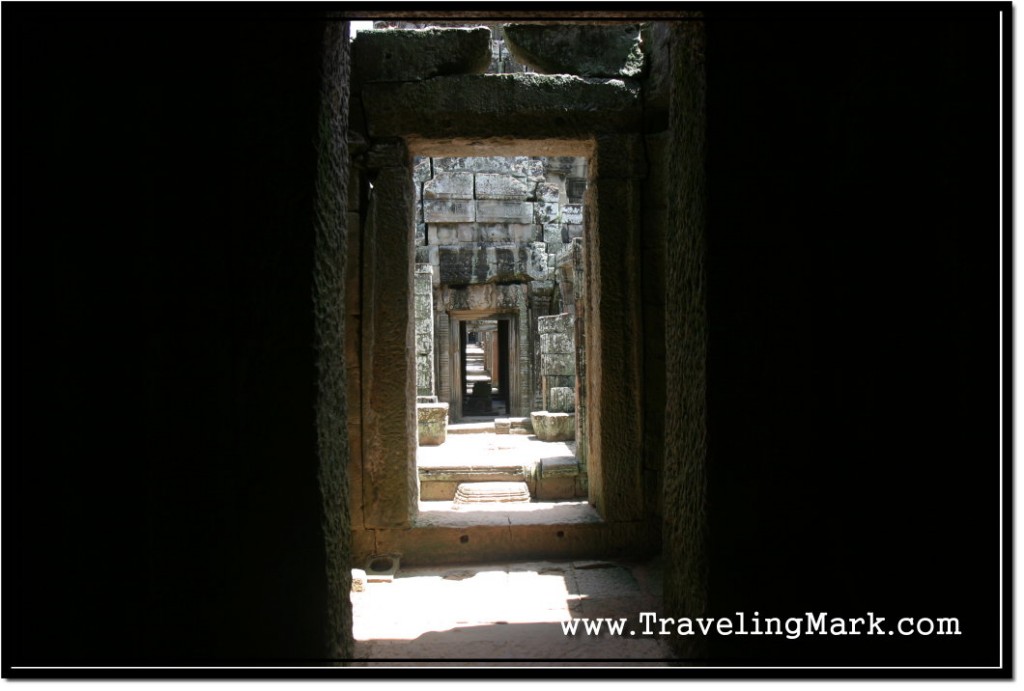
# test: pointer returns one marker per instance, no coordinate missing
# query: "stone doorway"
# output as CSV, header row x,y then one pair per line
x,y
485,371
452,201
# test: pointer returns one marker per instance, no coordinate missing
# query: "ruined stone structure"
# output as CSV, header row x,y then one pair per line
x,y
493,232
521,197
783,300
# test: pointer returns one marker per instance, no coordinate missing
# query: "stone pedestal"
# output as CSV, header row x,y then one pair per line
x,y
553,426
432,423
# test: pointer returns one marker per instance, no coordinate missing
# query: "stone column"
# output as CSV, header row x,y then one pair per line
x,y
390,485
424,310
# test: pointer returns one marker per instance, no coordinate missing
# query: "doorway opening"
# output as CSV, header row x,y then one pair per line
x,y
484,346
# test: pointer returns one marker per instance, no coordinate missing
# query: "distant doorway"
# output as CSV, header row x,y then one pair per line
x,y
485,378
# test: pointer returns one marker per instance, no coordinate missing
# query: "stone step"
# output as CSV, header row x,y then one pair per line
x,y
471,427
513,425
490,492
440,482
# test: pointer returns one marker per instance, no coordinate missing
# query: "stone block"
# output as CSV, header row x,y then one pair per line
x,y
557,342
424,377
547,192
427,255
495,186
529,167
553,426
573,230
448,211
449,186
484,263
553,232
432,423
502,425
424,336
468,233
546,212
558,466
588,50
442,233
524,232
556,489
493,232
537,262
508,211
530,106
421,169
563,364
562,400
438,490
521,424
555,323
572,214
393,55
421,234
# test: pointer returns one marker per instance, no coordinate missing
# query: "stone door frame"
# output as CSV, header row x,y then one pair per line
x,y
455,317
470,116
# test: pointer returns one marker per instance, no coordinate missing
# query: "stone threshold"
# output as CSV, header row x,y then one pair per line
x,y
442,514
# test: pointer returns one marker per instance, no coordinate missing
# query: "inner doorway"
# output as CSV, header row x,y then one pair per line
x,y
485,381
484,345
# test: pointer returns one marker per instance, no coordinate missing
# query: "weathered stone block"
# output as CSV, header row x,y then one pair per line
x,y
517,105
546,212
557,343
495,186
584,49
547,192
421,234
494,232
438,490
421,169
433,423
573,230
449,186
537,262
468,233
531,168
572,214
563,400
552,232
448,211
442,233
427,255
485,263
424,338
524,232
553,426
393,55
508,211
424,373
557,364
475,164
559,466
556,323
556,488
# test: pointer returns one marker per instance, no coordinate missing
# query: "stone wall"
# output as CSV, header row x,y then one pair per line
x,y
499,220
557,359
423,294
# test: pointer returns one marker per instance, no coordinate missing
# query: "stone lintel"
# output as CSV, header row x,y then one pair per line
x,y
396,55
528,106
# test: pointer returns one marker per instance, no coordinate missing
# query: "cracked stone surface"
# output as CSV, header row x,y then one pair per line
x,y
508,615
